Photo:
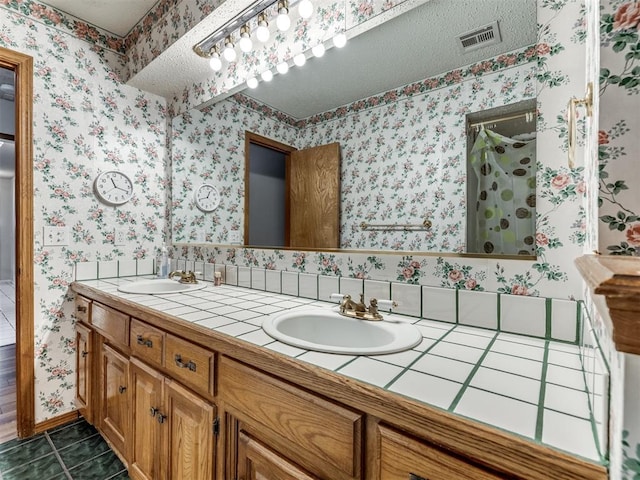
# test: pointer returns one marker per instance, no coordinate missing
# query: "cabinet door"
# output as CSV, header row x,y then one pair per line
x,y
114,382
257,462
189,438
146,404
84,361
405,458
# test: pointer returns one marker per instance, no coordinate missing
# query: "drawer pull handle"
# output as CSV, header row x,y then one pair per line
x,y
161,418
122,389
153,411
189,365
413,476
142,341
82,309
84,353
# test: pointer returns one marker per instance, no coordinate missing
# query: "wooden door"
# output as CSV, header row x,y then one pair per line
x,y
314,197
146,405
188,435
114,419
257,462
84,361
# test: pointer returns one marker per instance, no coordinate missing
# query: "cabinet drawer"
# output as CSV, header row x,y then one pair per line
x,y
321,436
403,457
190,364
146,342
83,309
111,324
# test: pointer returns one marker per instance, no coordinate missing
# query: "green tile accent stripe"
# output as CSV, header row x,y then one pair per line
x,y
579,324
466,383
547,305
543,388
498,311
457,307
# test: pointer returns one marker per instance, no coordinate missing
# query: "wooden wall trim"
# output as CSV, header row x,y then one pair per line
x,y
57,421
618,280
22,65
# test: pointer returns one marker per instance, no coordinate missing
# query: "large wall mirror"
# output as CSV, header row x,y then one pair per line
x,y
405,101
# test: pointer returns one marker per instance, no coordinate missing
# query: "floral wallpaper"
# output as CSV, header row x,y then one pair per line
x,y
85,122
407,146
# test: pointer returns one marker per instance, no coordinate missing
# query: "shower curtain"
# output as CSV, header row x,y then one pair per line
x,y
506,196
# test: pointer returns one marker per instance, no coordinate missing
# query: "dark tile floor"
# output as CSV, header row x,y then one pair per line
x,y
75,451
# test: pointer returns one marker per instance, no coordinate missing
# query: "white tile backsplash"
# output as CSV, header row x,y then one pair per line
x,y
439,304
351,286
258,278
525,315
290,283
478,309
376,289
146,266
86,270
408,298
127,268
244,277
209,270
231,275
108,269
326,286
308,285
273,281
563,320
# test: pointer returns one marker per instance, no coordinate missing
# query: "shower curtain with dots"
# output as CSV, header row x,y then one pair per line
x,y
506,199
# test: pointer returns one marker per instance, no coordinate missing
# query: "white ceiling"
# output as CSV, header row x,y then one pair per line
x,y
419,44
115,16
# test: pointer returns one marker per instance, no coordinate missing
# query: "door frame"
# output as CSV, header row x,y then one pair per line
x,y
22,65
254,138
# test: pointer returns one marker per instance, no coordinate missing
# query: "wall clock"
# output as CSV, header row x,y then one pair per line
x,y
113,187
207,197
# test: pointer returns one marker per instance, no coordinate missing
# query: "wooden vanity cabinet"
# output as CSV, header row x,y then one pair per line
x,y
84,366
402,457
172,429
114,397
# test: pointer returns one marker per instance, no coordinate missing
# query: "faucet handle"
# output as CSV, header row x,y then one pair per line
x,y
337,296
387,304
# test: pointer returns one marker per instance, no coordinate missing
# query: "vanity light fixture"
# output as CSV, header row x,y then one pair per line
x,y
305,8
300,59
282,67
215,62
229,52
318,50
267,76
245,39
262,32
340,40
252,82
283,22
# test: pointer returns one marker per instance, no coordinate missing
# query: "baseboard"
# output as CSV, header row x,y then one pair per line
x,y
57,421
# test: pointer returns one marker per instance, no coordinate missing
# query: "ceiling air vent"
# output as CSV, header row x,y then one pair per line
x,y
480,37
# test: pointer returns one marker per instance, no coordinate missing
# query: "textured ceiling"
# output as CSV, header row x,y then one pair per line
x,y
115,16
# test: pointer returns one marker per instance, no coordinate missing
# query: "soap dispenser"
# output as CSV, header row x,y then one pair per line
x,y
164,262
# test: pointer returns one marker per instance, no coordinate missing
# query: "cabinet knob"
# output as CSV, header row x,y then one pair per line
x,y
142,341
153,411
413,476
161,418
84,353
190,365
122,389
82,309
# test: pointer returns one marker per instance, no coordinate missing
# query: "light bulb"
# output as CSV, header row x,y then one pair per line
x,y
262,32
229,53
215,63
282,68
305,8
245,39
300,59
252,82
340,40
283,22
318,50
267,76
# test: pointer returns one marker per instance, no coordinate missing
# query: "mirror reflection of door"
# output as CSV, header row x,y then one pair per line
x,y
292,197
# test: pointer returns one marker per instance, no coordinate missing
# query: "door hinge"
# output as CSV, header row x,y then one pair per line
x,y
216,427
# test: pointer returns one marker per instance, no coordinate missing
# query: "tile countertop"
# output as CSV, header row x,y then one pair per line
x,y
528,386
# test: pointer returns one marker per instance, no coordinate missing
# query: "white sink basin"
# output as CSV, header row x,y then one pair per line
x,y
328,331
159,286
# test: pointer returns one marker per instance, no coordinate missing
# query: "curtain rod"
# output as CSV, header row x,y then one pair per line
x,y
503,119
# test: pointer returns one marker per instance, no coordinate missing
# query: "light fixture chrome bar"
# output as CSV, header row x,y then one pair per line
x,y
204,46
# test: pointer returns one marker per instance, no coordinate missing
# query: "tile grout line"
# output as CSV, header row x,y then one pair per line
x,y
543,390
65,470
466,383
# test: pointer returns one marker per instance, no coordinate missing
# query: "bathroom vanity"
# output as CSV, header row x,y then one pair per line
x,y
177,400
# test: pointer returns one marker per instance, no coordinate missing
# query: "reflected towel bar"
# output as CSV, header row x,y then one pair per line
x,y
425,225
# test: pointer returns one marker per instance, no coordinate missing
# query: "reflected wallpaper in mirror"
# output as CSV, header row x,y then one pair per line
x,y
404,155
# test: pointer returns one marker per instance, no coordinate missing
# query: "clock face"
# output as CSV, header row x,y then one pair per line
x,y
207,197
113,187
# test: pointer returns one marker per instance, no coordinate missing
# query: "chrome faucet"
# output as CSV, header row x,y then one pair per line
x,y
185,277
